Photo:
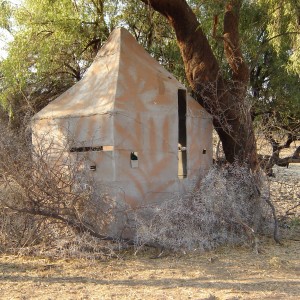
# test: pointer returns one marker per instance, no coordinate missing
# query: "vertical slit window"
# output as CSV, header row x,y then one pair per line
x,y
182,136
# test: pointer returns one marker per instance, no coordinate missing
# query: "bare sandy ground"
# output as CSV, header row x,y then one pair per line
x,y
229,273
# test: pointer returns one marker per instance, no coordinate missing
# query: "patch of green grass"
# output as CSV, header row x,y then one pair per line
x,y
295,222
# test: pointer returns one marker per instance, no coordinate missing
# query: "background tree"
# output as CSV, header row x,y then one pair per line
x,y
274,77
232,54
224,98
223,91
54,43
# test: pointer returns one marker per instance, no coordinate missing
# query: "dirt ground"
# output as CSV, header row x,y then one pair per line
x,y
227,273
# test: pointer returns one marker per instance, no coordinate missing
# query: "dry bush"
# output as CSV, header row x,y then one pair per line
x,y
17,230
228,208
70,244
47,196
56,209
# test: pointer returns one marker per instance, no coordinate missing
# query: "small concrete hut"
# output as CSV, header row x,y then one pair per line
x,y
145,137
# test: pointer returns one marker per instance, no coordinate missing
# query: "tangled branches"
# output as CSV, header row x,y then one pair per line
x,y
228,208
46,193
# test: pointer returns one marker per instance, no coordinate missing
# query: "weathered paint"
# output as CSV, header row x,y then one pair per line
x,y
127,102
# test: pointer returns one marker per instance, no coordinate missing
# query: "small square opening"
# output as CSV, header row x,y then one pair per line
x,y
92,167
134,159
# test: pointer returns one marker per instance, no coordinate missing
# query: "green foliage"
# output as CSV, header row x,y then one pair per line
x,y
55,41
283,29
270,46
295,222
5,14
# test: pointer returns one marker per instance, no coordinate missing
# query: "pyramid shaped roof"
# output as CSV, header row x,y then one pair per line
x,y
123,77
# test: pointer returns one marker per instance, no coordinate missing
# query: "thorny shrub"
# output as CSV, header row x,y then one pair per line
x,y
56,209
42,203
228,208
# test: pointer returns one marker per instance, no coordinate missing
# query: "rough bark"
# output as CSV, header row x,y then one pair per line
x,y
224,99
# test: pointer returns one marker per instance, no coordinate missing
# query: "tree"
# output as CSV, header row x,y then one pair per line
x,y
274,75
224,98
222,95
53,45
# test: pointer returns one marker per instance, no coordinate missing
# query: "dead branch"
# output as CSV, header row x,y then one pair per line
x,y
49,183
275,232
292,208
274,159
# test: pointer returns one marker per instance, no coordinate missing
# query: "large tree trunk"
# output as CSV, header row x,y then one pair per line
x,y
224,99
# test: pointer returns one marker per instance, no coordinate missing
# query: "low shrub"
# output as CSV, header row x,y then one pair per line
x,y
227,208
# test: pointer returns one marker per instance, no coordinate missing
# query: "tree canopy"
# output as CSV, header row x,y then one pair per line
x,y
55,41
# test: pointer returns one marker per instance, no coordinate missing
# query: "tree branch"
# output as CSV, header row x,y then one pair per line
x,y
200,63
232,42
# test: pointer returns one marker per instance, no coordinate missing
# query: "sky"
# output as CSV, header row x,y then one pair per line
x,y
5,37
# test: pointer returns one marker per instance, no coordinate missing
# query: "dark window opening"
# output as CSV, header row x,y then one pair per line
x,y
87,149
182,137
134,156
134,159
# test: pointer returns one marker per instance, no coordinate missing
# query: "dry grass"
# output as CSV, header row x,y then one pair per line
x,y
224,274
